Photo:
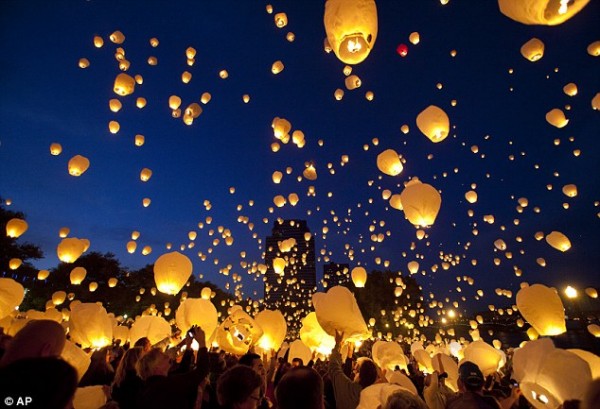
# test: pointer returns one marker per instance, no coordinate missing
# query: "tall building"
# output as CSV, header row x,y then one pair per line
x,y
290,292
335,274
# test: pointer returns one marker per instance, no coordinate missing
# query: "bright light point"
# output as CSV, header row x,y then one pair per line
x,y
570,292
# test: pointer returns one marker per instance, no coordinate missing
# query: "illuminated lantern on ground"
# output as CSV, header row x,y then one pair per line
x,y
543,12
279,265
55,149
152,327
570,190
337,310
388,355
434,123
359,277
389,162
124,84
77,275
542,308
556,117
559,241
171,272
90,326
145,175
533,50
197,311
314,337
237,332
69,249
351,27
402,50
76,357
487,358
11,296
78,165
16,227
421,203
274,329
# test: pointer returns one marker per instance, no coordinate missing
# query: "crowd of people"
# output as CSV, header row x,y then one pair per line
x,y
149,376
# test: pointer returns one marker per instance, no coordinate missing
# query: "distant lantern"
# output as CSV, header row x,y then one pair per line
x,y
570,190
279,265
293,199
154,42
338,94
351,27
281,20
190,53
570,89
246,98
279,201
43,274
146,202
117,37
131,246
277,175
310,172
63,232
59,297
186,77
174,102
112,282
404,129
93,286
78,165
500,244
77,275
84,63
369,95
139,140
90,325
359,276
389,162
352,82
98,42
115,105
556,117
14,263
543,12
223,74
140,102
413,267
171,272
145,175
414,38
152,60
205,98
70,249
471,196
434,123
533,50
114,127
596,102
421,203
559,241
542,307
55,149
402,50
591,292
277,67
124,84
290,37
396,202
281,127
16,227
206,292
594,49
193,110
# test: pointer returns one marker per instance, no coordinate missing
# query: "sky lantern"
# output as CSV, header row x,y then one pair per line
x,y
594,49
293,199
274,329
570,190
277,67
421,202
76,357
359,276
351,28
279,265
139,140
16,227
197,311
237,332
93,286
314,337
78,165
488,358
55,149
596,102
281,127
542,308
413,267
131,246
117,37
83,63
310,172
471,196
542,12
98,42
352,82
206,293
77,275
299,350
145,175
556,117
414,38
591,292
594,329
402,50
114,105
152,327
281,20
559,241
174,102
338,94
43,274
337,310
124,84
69,249
113,127
570,89
388,355
396,202
171,272
533,50
112,282
11,296
59,297
389,162
279,201
90,325
434,123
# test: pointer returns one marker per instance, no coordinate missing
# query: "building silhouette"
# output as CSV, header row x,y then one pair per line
x,y
336,274
291,291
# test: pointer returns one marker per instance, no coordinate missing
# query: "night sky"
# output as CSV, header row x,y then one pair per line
x,y
501,103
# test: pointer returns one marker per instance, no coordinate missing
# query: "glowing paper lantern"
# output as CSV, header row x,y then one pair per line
x,y
75,356
90,325
43,274
299,350
145,175
93,286
352,82
471,196
206,293
237,332
570,89
281,20
570,190
413,267
533,50
205,98
16,227
434,123
277,67
594,329
388,355
77,275
69,249
359,277
112,282
131,246
152,327
124,84
593,361
117,37
487,358
389,162
351,28
414,38
197,311
559,241
421,203
591,292
11,296
78,165
171,272
98,42
121,333
542,308
402,50
314,337
556,117
279,265
543,12
55,149
274,329
337,310
310,173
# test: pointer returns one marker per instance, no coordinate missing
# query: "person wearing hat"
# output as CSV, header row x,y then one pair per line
x,y
470,385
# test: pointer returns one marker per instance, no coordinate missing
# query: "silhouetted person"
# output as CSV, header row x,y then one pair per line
x,y
38,338
470,385
239,387
127,384
300,388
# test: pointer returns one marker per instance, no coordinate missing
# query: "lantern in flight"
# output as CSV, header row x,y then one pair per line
x,y
389,162
16,227
542,308
434,123
533,50
559,241
279,265
90,325
337,310
359,277
171,272
402,50
124,84
543,12
556,117
78,165
77,275
69,249
421,202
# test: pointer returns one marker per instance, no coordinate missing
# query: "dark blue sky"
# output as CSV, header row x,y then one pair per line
x,y
45,97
